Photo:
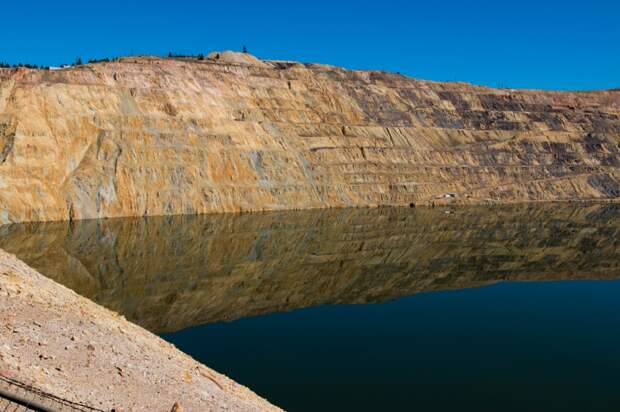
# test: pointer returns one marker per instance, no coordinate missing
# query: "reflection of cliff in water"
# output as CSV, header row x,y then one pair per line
x,y
168,273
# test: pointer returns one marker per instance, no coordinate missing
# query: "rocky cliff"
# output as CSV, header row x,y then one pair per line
x,y
150,136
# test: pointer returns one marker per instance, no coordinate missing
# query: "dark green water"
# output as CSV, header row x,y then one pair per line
x,y
503,308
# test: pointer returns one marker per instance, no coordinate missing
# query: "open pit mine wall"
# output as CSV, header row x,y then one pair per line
x,y
149,136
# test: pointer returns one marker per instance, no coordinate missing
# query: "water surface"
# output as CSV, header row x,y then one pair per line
x,y
512,307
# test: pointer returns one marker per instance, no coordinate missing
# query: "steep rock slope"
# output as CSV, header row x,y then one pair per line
x,y
149,136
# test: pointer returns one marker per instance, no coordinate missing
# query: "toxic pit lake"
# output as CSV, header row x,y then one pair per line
x,y
460,308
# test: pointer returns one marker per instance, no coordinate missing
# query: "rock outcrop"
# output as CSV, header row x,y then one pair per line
x,y
170,273
150,136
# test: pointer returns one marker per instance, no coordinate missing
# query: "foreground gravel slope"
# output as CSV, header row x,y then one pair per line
x,y
66,345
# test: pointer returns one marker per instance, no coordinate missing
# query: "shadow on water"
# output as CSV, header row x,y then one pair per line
x,y
513,345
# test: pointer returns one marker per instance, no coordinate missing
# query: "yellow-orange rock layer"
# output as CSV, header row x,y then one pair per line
x,y
149,136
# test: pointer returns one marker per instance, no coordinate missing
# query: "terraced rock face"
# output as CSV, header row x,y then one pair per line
x,y
149,136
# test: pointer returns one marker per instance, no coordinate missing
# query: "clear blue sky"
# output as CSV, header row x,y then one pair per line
x,y
535,44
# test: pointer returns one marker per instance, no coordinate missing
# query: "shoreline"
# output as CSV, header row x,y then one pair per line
x,y
441,202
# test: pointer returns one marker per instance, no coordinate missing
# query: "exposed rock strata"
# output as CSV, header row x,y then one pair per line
x,y
149,136
66,345
168,273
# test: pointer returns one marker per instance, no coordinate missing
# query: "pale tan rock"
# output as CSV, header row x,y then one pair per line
x,y
149,136
231,57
